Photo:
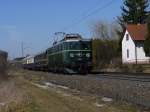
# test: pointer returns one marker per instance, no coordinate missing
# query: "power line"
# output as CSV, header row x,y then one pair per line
x,y
89,9
85,13
90,14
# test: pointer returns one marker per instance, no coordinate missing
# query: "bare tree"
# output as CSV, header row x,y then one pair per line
x,y
105,43
104,30
114,28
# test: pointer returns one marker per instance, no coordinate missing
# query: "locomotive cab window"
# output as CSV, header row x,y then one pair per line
x,y
74,46
85,45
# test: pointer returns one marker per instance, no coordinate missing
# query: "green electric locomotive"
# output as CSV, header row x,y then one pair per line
x,y
72,54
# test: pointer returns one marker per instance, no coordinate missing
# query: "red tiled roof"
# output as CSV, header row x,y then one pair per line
x,y
137,32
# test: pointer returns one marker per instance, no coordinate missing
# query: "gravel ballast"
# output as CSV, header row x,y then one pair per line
x,y
122,90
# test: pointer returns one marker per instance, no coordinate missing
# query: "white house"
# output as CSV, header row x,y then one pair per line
x,y
133,44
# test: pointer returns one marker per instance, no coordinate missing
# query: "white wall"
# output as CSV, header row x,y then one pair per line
x,y
141,57
128,44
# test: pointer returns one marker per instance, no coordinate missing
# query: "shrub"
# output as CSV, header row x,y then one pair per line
x,y
104,51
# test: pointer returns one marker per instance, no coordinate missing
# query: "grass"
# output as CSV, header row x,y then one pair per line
x,y
50,101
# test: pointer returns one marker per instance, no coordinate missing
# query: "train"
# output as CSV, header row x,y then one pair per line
x,y
72,54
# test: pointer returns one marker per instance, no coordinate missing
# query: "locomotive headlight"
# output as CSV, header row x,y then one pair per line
x,y
71,55
79,54
87,55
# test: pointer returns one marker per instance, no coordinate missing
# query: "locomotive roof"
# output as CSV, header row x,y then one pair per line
x,y
72,37
69,40
69,37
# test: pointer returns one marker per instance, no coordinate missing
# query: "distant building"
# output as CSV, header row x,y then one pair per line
x,y
133,44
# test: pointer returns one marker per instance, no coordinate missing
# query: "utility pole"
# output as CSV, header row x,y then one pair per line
x,y
22,49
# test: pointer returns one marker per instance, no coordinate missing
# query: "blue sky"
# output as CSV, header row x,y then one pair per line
x,y
34,21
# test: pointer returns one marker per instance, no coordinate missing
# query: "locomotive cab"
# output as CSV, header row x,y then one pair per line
x,y
79,55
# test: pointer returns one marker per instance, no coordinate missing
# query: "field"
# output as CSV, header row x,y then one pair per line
x,y
29,91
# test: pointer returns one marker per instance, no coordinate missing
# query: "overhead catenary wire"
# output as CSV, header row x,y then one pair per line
x,y
89,14
88,10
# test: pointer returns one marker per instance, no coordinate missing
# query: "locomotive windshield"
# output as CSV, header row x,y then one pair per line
x,y
85,45
79,45
74,45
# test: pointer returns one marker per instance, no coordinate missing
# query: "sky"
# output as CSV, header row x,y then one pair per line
x,y
34,22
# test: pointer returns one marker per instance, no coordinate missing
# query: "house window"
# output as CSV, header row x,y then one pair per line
x,y
127,53
127,37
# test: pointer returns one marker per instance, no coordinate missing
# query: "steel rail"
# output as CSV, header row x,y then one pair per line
x,y
129,77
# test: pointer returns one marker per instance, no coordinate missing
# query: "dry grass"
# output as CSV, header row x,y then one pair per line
x,y
22,96
11,96
19,95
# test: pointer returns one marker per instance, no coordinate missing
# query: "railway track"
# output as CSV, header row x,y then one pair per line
x,y
140,77
123,76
